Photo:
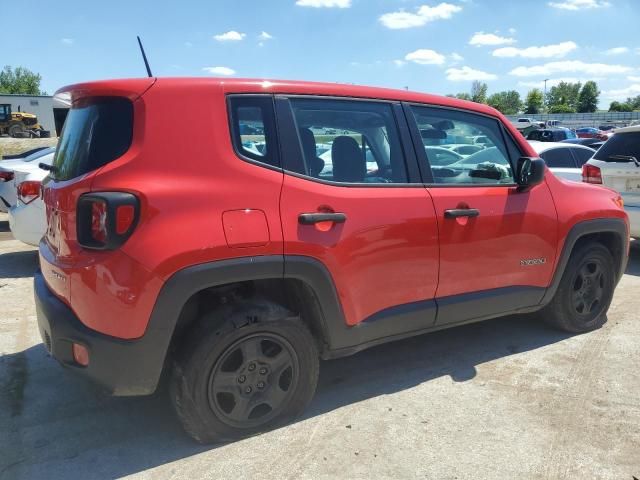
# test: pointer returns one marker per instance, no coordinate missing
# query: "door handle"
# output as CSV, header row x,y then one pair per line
x,y
312,218
461,212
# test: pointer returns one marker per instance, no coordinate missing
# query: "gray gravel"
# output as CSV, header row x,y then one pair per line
x,y
503,399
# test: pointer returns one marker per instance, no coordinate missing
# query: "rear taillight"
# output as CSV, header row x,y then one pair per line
x,y
591,174
28,191
6,175
106,220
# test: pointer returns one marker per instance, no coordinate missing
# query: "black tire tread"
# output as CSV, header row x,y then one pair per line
x,y
557,313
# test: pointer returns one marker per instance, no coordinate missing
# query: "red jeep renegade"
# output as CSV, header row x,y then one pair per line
x,y
299,221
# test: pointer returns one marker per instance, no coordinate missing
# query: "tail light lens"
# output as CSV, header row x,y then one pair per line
x,y
106,220
6,175
28,191
591,174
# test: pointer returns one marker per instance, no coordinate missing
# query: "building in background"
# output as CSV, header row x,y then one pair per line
x,y
51,112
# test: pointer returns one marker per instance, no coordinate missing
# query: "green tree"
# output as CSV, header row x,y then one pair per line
x,y
20,80
620,107
534,101
462,96
507,102
634,102
565,93
562,108
588,98
479,92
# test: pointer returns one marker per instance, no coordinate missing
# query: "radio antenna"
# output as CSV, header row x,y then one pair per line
x,y
144,57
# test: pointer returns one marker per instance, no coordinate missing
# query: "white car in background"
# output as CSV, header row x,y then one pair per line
x,y
17,168
617,165
564,159
27,217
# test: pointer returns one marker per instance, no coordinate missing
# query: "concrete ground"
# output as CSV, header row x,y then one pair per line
x,y
503,399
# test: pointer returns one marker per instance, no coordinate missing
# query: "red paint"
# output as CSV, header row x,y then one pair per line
x,y
200,203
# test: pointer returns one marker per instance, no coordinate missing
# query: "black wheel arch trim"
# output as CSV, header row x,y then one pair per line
x,y
616,226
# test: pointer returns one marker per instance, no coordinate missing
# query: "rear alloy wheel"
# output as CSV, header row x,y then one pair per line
x,y
253,380
231,382
585,291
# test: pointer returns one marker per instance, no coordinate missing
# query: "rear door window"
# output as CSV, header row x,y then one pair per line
x,y
558,158
96,132
582,155
359,141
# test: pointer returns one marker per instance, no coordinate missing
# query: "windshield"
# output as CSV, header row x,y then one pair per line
x,y
96,132
627,144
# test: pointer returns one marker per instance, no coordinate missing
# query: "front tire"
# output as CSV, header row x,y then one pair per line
x,y
230,382
585,291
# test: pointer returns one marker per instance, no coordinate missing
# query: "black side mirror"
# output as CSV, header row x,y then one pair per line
x,y
529,172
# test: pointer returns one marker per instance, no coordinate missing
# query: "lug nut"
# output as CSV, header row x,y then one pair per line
x,y
252,367
241,379
263,371
247,390
260,384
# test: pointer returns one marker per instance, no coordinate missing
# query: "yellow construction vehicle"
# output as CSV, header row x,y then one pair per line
x,y
18,124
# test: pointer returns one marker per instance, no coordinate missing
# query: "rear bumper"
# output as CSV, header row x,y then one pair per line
x,y
123,367
634,220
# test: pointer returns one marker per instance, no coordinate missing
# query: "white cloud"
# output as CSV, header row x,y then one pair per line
x,y
455,58
67,41
557,50
631,78
188,44
512,30
622,93
399,63
226,71
616,51
230,36
580,4
265,36
424,14
466,74
424,56
324,3
481,38
569,66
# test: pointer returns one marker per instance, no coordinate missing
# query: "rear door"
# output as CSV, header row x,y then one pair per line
x,y
359,208
618,170
497,245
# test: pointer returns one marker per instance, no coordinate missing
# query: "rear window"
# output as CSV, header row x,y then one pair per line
x,y
627,144
96,132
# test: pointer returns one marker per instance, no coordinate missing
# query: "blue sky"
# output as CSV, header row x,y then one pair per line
x,y
431,46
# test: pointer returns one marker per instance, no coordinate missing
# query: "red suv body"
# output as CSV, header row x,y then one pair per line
x,y
306,219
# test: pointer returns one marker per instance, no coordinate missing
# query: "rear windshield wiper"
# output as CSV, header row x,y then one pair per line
x,y
625,158
48,168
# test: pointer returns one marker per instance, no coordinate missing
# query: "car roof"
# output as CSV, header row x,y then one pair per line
x,y
135,87
633,128
540,147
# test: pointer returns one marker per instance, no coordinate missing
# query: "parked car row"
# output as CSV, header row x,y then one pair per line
x,y
614,164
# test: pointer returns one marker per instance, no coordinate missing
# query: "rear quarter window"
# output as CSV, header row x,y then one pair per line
x,y
96,132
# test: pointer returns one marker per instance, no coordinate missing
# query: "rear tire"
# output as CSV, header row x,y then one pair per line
x,y
585,291
15,130
255,371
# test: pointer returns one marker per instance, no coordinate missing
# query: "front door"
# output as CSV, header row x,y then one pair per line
x,y
497,244
352,199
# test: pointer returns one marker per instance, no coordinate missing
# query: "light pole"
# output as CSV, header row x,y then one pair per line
x,y
544,99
